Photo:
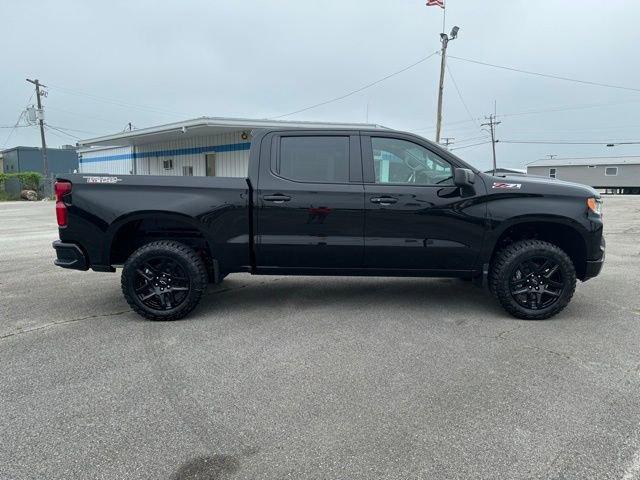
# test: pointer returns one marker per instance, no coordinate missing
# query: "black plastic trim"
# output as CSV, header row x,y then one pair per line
x,y
593,268
70,255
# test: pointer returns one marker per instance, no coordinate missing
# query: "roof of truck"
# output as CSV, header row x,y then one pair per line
x,y
210,126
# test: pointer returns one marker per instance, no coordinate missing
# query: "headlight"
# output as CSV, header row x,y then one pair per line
x,y
595,205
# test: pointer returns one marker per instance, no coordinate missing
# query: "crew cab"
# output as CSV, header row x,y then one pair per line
x,y
333,202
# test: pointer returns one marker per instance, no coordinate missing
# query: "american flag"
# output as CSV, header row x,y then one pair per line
x,y
435,3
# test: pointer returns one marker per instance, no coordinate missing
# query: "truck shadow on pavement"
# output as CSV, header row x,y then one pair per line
x,y
396,295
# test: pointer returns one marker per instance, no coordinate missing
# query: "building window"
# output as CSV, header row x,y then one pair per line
x,y
611,171
187,171
552,173
167,164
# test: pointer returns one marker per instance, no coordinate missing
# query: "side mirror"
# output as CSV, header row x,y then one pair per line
x,y
463,177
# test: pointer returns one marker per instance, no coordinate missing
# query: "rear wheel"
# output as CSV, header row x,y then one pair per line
x,y
164,280
533,279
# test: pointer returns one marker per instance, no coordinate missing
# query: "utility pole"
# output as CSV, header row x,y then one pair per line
x,y
492,123
444,39
446,141
45,165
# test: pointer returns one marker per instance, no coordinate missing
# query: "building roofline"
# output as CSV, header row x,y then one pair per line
x,y
25,147
121,138
569,161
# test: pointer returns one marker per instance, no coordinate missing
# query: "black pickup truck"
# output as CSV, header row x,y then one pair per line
x,y
334,202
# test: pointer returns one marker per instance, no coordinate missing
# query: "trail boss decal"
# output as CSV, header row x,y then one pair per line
x,y
506,185
102,179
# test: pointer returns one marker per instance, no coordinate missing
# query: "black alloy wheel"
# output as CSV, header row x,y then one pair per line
x,y
537,283
164,280
161,283
532,279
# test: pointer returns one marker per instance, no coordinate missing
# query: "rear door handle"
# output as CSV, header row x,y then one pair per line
x,y
383,200
278,198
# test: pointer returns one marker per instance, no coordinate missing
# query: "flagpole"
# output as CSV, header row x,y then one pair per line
x,y
444,18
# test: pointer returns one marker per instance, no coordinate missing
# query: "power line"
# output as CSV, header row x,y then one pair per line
x,y
566,108
353,92
17,124
472,145
464,104
446,141
546,75
6,141
75,114
50,130
570,142
471,139
73,130
62,131
446,124
115,102
530,112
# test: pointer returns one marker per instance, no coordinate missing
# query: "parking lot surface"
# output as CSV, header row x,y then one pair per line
x,y
332,378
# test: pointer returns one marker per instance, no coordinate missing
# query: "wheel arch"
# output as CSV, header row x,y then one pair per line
x,y
138,224
563,232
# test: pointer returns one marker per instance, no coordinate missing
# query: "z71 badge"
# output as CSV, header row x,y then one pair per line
x,y
506,185
102,179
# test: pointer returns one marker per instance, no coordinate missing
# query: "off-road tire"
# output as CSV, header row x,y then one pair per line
x,y
513,255
186,258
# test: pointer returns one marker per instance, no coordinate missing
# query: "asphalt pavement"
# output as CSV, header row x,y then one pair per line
x,y
313,377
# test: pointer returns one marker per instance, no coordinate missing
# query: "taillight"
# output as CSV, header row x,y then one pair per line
x,y
61,189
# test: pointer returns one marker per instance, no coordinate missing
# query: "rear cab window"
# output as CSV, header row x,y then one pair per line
x,y
314,159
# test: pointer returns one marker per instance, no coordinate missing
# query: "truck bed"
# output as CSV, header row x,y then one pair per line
x,y
102,206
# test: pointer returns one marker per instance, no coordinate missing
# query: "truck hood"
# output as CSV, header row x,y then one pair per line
x,y
535,184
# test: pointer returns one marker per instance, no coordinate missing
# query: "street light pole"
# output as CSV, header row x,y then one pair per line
x,y
444,39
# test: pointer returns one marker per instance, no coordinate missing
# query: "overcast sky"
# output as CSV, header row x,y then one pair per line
x,y
150,62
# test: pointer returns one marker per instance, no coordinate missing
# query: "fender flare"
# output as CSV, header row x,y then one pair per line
x,y
116,226
493,235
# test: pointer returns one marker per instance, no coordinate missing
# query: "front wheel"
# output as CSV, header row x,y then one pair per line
x,y
164,280
533,279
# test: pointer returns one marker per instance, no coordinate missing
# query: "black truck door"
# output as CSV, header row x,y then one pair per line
x,y
415,217
310,201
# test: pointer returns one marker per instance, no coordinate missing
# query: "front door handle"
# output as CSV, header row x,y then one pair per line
x,y
383,200
278,198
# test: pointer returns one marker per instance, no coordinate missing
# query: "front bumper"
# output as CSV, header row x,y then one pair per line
x,y
70,255
594,267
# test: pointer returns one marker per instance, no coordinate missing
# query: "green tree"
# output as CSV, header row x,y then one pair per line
x,y
28,180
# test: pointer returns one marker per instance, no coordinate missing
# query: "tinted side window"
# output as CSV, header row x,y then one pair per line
x,y
314,159
400,161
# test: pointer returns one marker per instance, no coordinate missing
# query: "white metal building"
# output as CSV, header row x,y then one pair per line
x,y
203,146
613,174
